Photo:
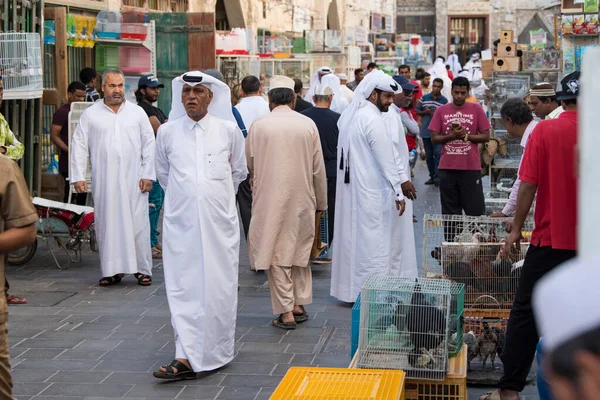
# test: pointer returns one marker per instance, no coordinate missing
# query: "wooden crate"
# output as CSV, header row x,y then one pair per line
x,y
454,387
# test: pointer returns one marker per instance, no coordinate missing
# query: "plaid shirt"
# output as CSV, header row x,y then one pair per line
x,y
91,94
14,149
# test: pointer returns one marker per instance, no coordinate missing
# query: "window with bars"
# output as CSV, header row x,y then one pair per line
x,y
415,24
159,5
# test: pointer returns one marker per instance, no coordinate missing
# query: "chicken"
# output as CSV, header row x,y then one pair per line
x,y
501,335
425,322
487,342
460,271
472,347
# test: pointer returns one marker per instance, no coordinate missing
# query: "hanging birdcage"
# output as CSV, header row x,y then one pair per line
x,y
21,65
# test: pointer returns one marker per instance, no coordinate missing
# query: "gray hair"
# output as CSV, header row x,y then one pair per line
x,y
322,97
112,71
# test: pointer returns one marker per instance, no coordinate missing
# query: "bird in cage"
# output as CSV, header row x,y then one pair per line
x,y
487,342
470,340
426,325
501,335
396,318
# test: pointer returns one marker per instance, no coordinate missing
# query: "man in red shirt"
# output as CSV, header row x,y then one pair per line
x,y
548,168
459,127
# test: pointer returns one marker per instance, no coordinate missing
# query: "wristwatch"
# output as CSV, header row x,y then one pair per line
x,y
466,137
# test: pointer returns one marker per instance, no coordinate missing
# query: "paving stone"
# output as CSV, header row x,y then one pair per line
x,y
64,343
31,376
156,391
238,393
297,348
81,355
261,338
240,368
87,389
200,392
250,380
264,394
57,365
254,347
78,377
28,389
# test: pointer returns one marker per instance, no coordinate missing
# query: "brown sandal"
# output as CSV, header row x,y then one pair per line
x,y
143,280
110,280
156,253
288,326
183,372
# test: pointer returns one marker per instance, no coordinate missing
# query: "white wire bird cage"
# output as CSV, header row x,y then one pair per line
x,y
21,65
438,229
404,324
490,275
77,109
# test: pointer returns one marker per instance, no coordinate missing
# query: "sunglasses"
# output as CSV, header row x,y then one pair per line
x,y
192,78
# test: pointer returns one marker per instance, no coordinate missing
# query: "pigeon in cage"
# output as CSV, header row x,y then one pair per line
x,y
426,325
472,347
487,342
396,318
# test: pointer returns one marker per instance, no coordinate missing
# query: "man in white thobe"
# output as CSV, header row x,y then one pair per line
x,y
403,254
118,139
368,184
200,162
315,81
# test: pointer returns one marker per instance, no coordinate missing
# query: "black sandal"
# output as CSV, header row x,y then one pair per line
x,y
143,280
109,280
183,372
300,318
288,326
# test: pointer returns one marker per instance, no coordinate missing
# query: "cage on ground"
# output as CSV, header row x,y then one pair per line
x,y
405,324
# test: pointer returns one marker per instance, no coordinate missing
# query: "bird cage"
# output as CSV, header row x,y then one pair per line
x,y
461,229
77,110
490,275
21,65
457,315
404,325
108,24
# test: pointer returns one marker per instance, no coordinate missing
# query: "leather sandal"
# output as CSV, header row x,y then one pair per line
x,y
288,326
183,372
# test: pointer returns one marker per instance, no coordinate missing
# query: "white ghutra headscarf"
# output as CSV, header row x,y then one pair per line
x,y
438,70
314,82
454,64
339,102
219,107
376,79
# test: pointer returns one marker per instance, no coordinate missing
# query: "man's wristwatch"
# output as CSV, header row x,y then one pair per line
x,y
466,137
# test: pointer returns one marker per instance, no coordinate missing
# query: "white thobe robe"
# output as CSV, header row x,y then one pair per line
x,y
200,165
251,108
363,209
120,147
403,254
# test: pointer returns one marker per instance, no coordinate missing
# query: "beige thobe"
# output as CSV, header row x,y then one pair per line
x,y
289,185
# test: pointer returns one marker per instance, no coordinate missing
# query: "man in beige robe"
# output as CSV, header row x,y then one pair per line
x,y
289,186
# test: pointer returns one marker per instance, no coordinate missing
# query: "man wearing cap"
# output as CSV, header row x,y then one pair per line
x,y
346,92
369,184
548,168
200,163
326,121
403,253
315,80
146,95
567,313
289,187
117,138
543,103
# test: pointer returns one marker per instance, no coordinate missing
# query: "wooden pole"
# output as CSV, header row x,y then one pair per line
x,y
59,15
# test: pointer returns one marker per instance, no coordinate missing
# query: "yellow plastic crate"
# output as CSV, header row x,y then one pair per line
x,y
454,387
304,383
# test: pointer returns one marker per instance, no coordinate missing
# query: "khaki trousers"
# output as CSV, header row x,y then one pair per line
x,y
5,377
289,286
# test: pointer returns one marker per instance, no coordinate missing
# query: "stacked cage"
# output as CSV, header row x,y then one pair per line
x,y
21,64
405,324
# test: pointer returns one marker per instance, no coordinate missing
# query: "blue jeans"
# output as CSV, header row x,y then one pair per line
x,y
433,152
542,384
155,202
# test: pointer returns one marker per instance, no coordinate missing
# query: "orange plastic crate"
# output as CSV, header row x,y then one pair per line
x,y
306,383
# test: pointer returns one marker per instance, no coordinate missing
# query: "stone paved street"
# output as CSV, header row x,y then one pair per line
x,y
75,340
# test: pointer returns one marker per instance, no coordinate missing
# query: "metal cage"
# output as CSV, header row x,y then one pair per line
x,y
21,65
404,324
438,229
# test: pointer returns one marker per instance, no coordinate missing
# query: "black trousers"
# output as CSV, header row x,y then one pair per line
x,y
331,185
522,336
460,190
244,199
79,199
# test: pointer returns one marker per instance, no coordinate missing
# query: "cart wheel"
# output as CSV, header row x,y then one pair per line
x,y
93,243
23,255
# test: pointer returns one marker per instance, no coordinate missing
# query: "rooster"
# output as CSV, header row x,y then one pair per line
x,y
487,343
472,347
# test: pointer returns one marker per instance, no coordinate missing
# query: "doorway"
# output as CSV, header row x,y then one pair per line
x,y
467,35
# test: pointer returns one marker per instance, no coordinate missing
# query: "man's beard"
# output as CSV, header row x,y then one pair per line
x,y
114,101
382,107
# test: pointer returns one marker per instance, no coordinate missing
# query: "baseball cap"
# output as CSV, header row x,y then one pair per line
x,y
404,83
149,80
570,87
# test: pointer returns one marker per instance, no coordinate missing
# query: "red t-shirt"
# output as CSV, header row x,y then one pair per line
x,y
549,163
458,154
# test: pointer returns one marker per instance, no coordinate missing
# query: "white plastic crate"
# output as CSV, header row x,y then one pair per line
x,y
21,65
404,324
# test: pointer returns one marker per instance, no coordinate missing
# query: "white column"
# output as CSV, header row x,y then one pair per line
x,y
589,162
